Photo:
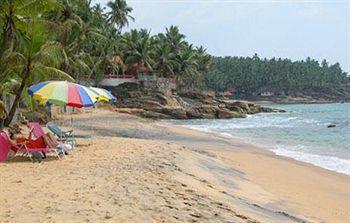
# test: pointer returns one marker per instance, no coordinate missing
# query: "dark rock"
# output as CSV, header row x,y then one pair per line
x,y
268,110
162,99
153,103
225,114
203,96
153,115
235,108
241,104
176,113
203,112
254,108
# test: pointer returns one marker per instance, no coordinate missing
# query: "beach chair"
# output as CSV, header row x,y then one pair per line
x,y
65,135
60,133
38,131
6,146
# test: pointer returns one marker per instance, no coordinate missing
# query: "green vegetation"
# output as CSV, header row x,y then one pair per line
x,y
72,39
253,75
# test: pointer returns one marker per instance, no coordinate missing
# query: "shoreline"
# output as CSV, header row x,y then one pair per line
x,y
292,185
257,148
291,101
158,172
294,150
280,152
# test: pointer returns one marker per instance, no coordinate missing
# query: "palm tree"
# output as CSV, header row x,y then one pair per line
x,y
188,74
165,63
15,13
203,59
78,38
36,59
99,60
174,38
187,61
119,14
138,48
7,84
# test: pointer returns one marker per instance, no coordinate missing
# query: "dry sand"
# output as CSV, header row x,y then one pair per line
x,y
137,170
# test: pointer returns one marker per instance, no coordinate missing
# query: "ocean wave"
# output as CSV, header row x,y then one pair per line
x,y
224,125
227,135
327,162
199,127
301,133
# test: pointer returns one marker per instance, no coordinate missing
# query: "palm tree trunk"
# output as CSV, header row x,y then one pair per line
x,y
13,109
5,40
8,30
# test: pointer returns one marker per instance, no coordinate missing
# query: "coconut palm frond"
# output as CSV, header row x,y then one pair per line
x,y
52,72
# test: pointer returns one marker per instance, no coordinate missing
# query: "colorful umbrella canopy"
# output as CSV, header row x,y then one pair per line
x,y
63,93
103,94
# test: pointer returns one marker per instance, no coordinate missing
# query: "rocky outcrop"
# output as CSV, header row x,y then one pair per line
x,y
151,103
225,114
177,112
200,112
268,110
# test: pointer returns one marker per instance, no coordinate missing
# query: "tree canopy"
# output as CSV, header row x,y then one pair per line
x,y
73,39
66,39
253,75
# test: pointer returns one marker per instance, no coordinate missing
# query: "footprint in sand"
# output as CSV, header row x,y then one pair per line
x,y
187,203
108,215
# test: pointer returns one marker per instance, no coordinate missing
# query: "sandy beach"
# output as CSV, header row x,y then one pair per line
x,y
138,170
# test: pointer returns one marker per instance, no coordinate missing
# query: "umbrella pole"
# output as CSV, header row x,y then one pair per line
x,y
71,119
72,127
92,110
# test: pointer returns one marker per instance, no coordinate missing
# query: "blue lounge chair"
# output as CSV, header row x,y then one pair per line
x,y
65,135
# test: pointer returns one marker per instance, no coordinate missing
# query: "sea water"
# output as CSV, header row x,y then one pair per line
x,y
300,133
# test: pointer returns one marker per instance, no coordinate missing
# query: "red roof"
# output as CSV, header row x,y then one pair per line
x,y
134,66
130,70
134,69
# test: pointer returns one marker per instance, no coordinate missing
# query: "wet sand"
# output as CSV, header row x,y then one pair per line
x,y
137,170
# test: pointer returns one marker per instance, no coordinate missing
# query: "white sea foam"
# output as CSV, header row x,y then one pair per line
x,y
301,133
327,162
227,135
198,127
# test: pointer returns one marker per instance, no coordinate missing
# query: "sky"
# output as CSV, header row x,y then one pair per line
x,y
287,29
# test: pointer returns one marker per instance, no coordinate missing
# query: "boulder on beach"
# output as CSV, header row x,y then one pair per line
x,y
225,114
177,112
153,103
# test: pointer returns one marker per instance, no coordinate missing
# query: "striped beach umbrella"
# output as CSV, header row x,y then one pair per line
x,y
63,93
103,94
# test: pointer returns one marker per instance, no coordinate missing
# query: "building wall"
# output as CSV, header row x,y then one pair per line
x,y
116,81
